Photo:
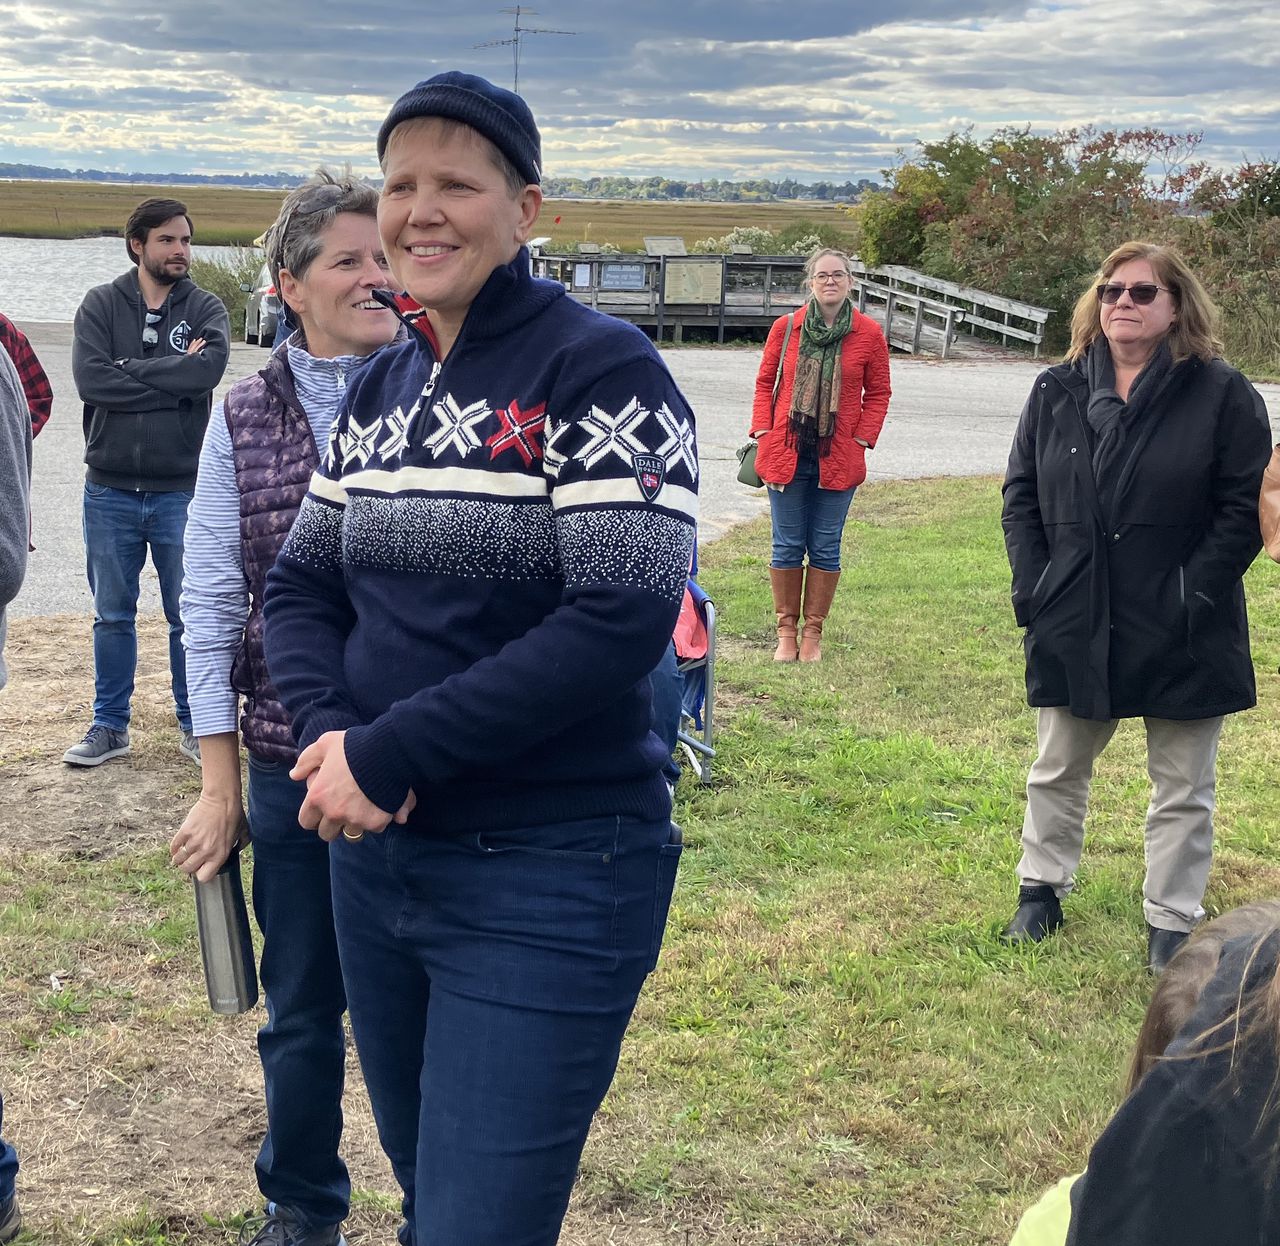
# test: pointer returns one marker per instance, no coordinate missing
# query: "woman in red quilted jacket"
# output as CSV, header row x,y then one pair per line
x,y
821,397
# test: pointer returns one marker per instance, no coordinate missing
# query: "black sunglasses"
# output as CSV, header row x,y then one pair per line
x,y
1141,292
149,334
317,199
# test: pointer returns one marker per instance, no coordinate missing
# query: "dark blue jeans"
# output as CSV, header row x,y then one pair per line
x,y
302,1046
667,689
491,976
807,519
119,527
8,1161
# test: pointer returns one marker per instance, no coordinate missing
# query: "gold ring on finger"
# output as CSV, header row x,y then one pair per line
x,y
350,838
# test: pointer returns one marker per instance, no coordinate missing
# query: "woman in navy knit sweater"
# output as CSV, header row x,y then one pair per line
x,y
487,566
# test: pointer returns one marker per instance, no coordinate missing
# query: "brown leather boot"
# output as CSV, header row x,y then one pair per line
x,y
819,589
787,584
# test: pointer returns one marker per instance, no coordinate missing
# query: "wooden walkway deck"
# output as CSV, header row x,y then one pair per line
x,y
920,314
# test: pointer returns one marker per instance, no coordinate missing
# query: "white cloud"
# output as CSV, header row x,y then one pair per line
x,y
825,89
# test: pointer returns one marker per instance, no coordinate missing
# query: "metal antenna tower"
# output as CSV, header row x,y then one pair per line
x,y
517,38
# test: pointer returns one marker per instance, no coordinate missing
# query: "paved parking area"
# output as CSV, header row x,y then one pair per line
x,y
946,419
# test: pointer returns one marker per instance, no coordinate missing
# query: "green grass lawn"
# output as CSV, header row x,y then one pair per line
x,y
836,1047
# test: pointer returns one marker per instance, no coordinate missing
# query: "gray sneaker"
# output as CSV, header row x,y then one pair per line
x,y
99,744
190,747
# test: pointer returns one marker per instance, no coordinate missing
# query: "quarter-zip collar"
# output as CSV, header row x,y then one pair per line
x,y
510,298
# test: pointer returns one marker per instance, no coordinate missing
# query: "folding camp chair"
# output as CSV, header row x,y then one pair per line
x,y
695,640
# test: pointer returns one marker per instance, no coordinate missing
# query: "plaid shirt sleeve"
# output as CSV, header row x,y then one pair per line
x,y
35,383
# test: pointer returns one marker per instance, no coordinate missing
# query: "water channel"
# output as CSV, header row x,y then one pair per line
x,y
46,278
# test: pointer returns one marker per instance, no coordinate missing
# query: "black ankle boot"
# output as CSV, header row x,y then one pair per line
x,y
1039,915
1162,945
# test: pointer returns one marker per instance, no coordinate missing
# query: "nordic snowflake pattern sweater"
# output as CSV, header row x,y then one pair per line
x,y
488,565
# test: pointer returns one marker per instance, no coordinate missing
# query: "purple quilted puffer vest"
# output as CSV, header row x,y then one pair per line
x,y
274,455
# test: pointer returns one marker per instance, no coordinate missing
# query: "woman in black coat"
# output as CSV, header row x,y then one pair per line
x,y
1130,516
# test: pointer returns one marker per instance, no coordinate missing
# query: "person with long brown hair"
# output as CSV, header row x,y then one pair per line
x,y
1193,1154
821,397
1130,516
1190,1021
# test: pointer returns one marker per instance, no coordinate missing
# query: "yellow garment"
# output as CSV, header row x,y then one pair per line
x,y
1047,1222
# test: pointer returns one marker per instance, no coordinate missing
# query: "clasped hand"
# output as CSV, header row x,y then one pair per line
x,y
334,803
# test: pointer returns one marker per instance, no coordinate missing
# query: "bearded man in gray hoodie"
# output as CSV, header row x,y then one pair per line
x,y
149,349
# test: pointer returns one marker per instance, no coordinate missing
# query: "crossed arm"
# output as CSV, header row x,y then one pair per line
x,y
144,384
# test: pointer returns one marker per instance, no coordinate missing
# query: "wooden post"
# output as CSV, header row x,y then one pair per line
x,y
948,331
862,297
915,333
768,292
889,307
662,297
724,294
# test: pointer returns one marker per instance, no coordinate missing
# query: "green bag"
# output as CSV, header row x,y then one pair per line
x,y
747,473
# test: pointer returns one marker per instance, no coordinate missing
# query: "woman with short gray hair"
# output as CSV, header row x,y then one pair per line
x,y
260,450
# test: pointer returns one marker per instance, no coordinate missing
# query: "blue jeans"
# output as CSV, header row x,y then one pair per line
x,y
807,519
119,526
302,1046
8,1161
491,976
667,689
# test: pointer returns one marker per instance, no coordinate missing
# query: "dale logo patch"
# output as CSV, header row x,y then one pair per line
x,y
651,472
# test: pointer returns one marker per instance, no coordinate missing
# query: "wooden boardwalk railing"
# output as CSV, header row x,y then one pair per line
x,y
918,313
1024,322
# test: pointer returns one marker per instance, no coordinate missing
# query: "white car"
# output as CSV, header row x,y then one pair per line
x,y
261,311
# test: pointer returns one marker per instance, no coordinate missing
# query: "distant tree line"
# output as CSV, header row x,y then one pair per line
x,y
754,190
1031,216
40,173
719,190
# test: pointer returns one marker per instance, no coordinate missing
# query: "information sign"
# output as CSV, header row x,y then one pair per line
x,y
694,281
622,276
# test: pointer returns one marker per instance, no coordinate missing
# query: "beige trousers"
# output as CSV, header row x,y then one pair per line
x,y
1181,759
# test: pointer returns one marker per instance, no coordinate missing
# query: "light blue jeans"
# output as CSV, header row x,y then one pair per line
x,y
119,527
808,519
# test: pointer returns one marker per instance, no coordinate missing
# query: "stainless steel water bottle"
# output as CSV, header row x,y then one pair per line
x,y
225,943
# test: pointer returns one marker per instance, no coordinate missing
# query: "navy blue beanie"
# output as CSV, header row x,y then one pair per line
x,y
500,115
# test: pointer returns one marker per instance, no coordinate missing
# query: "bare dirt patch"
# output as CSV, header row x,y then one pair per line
x,y
101,811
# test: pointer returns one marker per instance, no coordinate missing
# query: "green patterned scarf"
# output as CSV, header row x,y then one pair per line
x,y
815,395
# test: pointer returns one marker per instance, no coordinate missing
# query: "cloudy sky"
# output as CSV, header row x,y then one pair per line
x,y
813,89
